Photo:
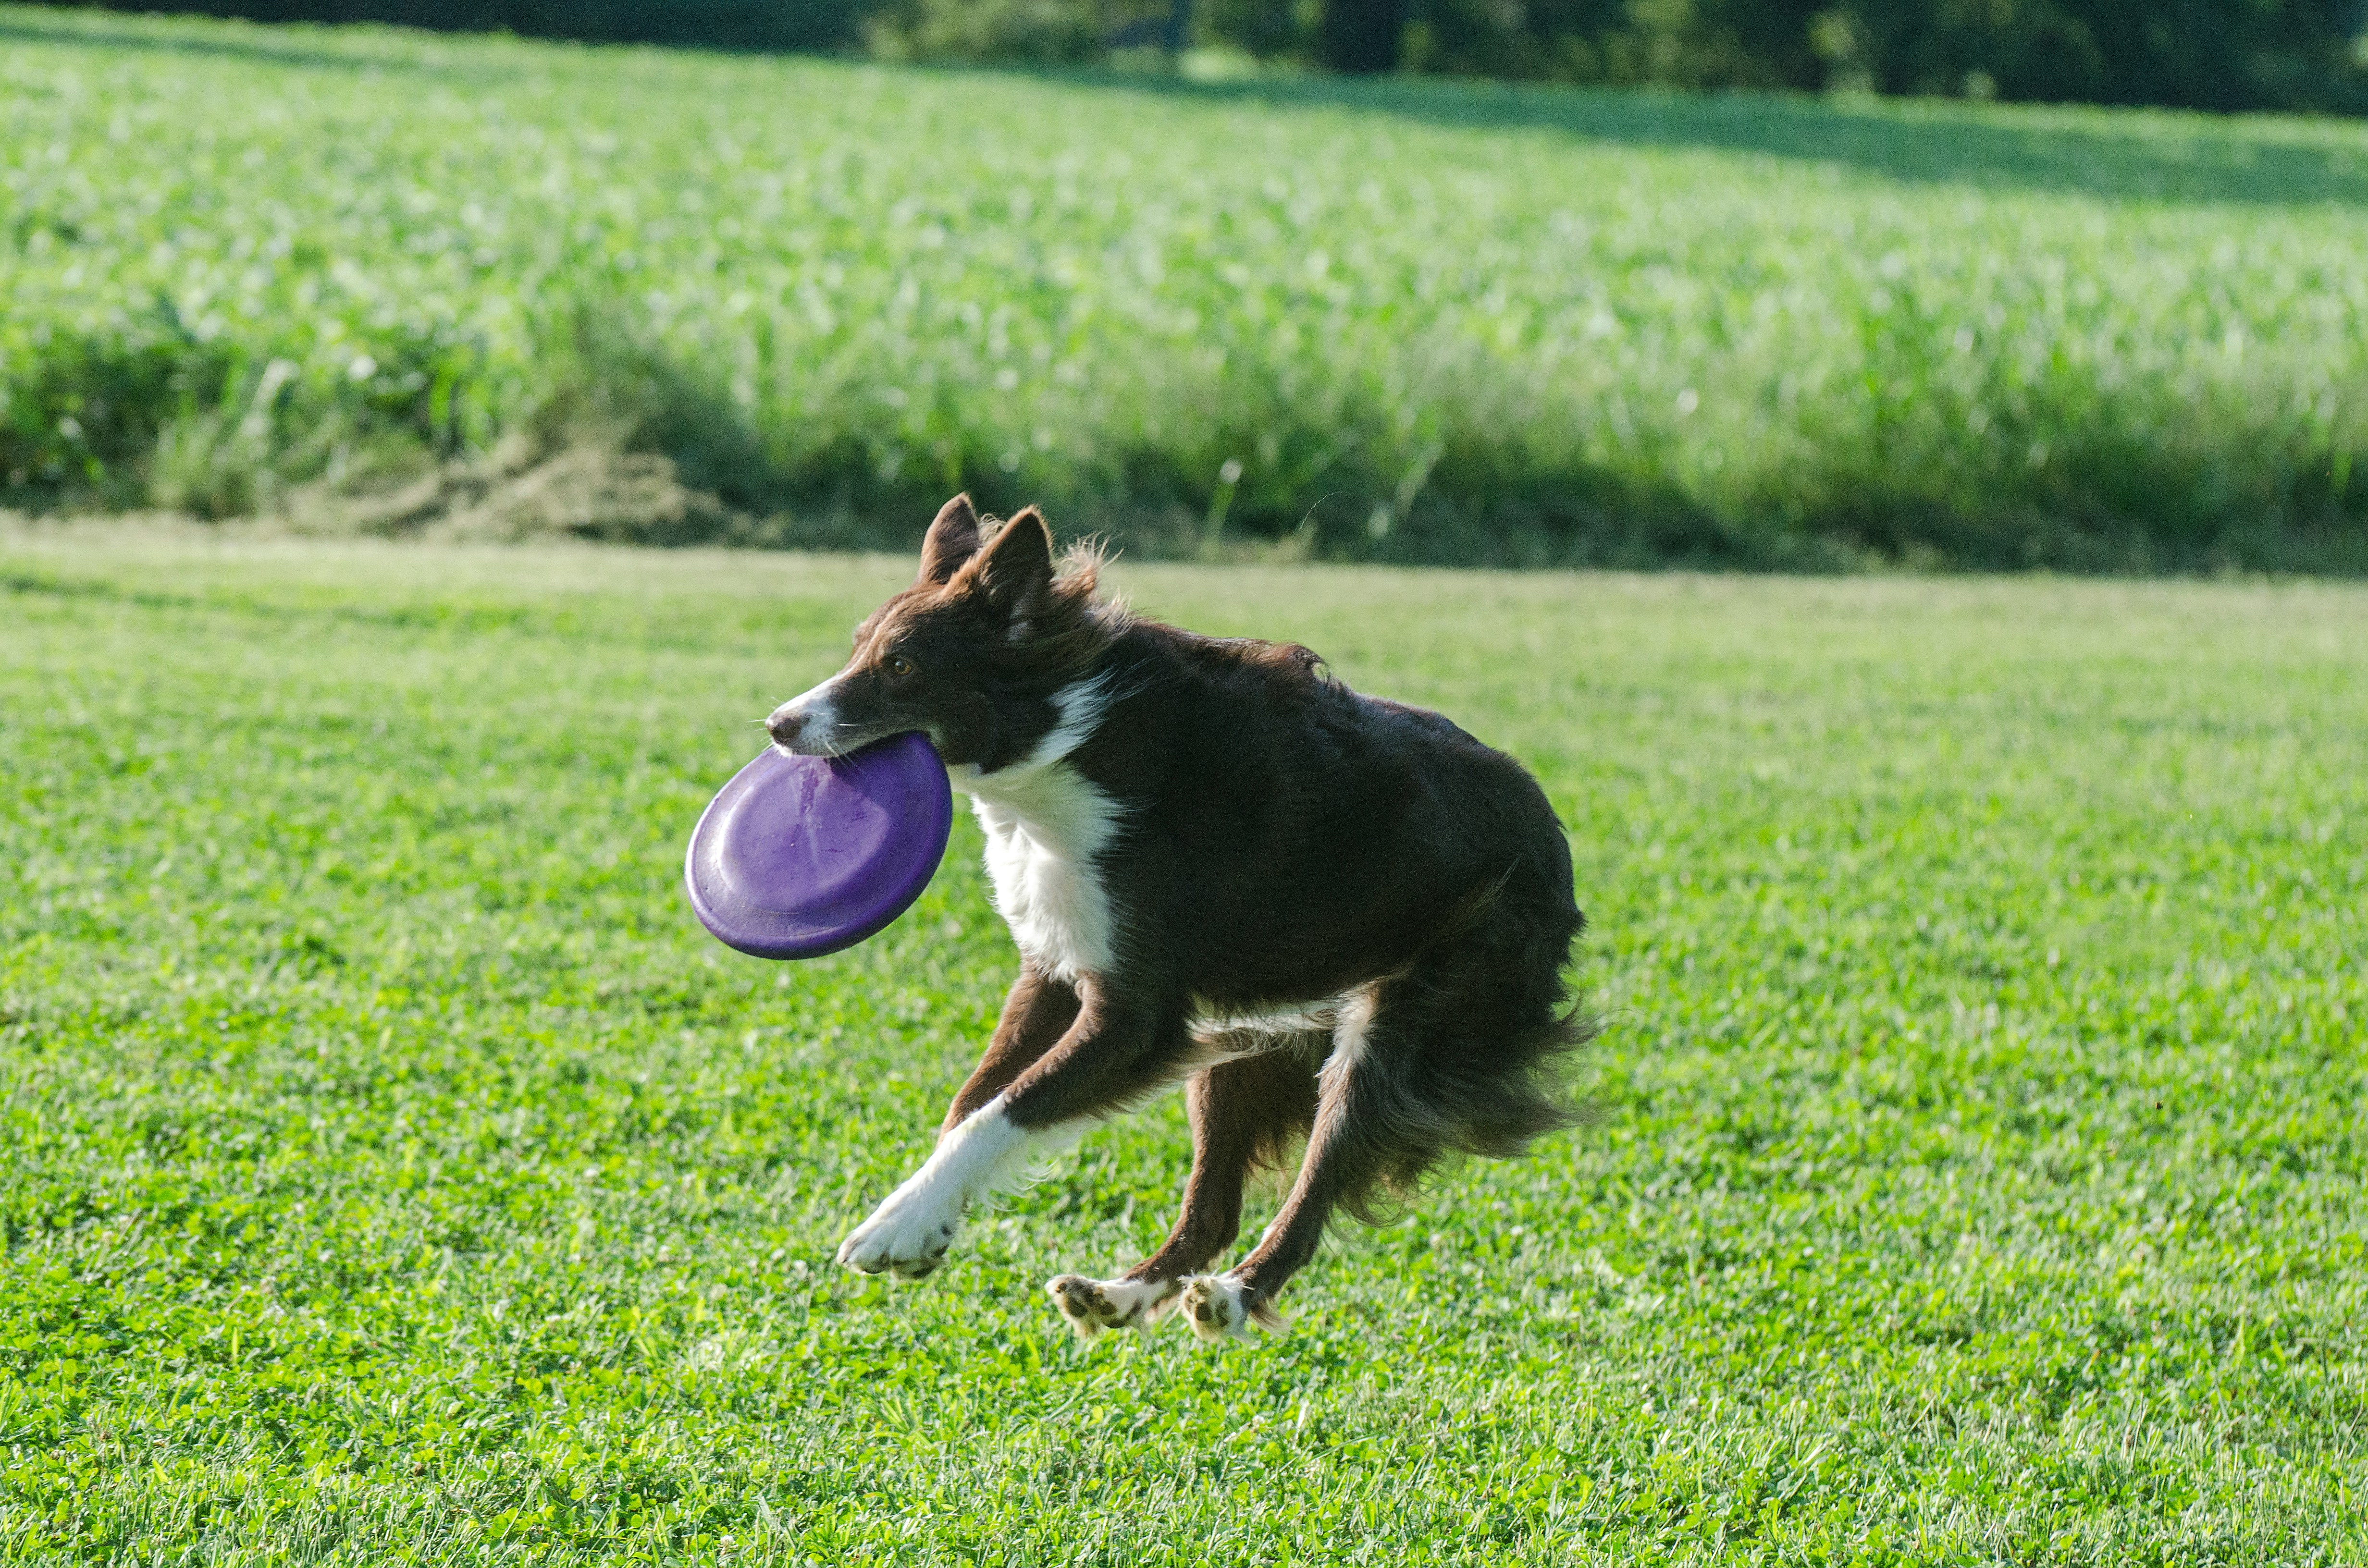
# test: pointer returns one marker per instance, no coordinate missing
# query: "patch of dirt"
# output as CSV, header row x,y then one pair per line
x,y
517,492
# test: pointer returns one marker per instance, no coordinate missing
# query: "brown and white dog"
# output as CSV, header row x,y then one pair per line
x,y
1325,914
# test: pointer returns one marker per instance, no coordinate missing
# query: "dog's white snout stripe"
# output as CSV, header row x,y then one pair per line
x,y
811,717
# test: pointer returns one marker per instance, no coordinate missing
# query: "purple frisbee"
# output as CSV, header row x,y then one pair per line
x,y
802,856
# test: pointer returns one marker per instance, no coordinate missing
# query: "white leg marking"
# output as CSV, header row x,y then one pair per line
x,y
1093,1305
1351,1022
1217,1306
908,1233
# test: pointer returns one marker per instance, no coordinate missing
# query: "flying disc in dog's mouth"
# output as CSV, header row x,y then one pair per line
x,y
802,856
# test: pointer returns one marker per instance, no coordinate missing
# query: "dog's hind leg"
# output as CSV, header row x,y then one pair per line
x,y
1462,1050
1367,1131
1244,1111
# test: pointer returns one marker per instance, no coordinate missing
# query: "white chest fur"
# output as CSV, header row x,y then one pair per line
x,y
1046,826
1044,829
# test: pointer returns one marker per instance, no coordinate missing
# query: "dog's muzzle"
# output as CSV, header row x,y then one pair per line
x,y
784,726
805,725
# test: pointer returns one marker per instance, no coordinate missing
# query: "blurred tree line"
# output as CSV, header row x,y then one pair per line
x,y
2211,54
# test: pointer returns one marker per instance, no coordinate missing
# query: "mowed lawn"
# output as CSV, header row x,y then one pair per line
x,y
396,1171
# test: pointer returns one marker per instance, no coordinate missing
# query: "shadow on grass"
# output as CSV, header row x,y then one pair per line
x,y
2120,156
283,43
2125,156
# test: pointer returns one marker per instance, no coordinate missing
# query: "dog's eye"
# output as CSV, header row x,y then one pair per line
x,y
900,667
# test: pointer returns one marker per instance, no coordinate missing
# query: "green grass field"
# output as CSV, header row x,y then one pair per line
x,y
397,1173
1427,320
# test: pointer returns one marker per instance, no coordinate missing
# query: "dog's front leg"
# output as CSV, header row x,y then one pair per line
x,y
1106,1057
1035,1016
908,1233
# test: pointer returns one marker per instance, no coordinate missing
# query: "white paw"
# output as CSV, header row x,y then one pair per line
x,y
1093,1305
1218,1307
906,1235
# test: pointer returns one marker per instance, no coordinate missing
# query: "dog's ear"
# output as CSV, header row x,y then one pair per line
x,y
951,540
1017,570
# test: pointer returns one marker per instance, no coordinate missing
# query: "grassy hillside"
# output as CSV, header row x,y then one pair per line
x,y
1411,320
396,1171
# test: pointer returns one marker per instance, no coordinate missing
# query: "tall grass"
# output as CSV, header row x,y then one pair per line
x,y
1411,321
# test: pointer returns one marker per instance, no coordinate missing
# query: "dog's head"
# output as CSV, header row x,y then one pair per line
x,y
970,656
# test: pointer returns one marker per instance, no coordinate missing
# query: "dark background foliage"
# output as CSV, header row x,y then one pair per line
x,y
729,24
2208,54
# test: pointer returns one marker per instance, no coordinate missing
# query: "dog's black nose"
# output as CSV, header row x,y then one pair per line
x,y
783,726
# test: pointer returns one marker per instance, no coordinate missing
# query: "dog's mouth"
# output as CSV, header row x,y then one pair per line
x,y
812,725
832,744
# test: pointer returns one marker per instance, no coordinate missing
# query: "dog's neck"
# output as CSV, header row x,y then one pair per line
x,y
1046,826
1077,710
